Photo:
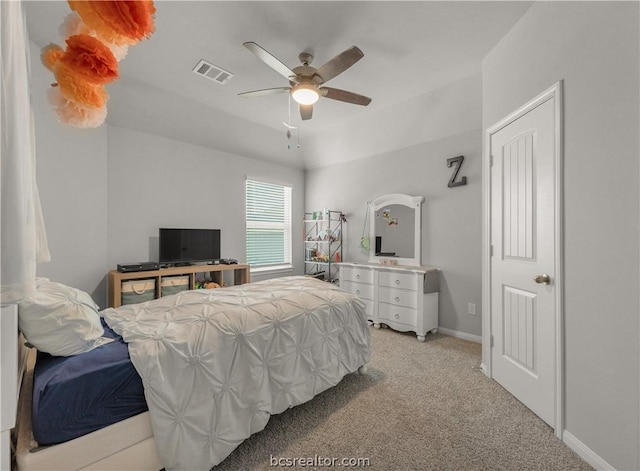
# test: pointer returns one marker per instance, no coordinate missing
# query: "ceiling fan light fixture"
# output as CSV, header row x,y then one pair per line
x,y
307,83
305,93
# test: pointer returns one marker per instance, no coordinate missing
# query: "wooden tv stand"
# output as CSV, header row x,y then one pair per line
x,y
241,275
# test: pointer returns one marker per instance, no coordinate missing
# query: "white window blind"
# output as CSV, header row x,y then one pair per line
x,y
268,214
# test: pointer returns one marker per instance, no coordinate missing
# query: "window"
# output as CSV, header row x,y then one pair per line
x,y
268,214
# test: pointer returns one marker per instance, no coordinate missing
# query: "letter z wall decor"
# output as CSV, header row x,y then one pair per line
x,y
458,163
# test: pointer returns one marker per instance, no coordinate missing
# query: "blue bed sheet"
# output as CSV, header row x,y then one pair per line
x,y
73,396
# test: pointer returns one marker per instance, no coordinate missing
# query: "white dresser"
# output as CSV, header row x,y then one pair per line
x,y
404,298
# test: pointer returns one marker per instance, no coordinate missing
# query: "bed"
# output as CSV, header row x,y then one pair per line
x,y
214,365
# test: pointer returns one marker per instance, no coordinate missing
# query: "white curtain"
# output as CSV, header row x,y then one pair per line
x,y
22,234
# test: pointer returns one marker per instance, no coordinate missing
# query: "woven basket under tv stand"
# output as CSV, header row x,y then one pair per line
x,y
241,275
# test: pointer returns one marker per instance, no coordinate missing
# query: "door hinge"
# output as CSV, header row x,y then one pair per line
x,y
491,251
491,161
491,341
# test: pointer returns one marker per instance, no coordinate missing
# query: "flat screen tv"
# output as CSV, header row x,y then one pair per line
x,y
184,246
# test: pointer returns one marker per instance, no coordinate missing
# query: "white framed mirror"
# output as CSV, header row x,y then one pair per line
x,y
395,230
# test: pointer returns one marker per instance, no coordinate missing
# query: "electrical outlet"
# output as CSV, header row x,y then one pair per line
x,y
471,309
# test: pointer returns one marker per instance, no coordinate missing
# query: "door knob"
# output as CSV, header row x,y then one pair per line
x,y
543,279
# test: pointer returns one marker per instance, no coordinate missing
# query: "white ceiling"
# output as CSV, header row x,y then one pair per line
x,y
409,49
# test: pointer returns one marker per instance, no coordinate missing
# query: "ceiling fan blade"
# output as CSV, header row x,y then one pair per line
x,y
264,92
306,111
340,63
343,95
271,61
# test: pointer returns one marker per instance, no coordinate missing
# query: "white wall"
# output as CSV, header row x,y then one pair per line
x,y
158,182
72,181
451,217
593,47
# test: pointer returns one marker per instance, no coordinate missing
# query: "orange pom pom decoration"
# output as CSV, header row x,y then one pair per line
x,y
77,90
91,60
75,114
73,24
97,32
119,22
51,55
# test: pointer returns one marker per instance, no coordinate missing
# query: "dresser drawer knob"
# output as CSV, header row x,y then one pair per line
x,y
397,282
397,316
397,298
357,291
357,277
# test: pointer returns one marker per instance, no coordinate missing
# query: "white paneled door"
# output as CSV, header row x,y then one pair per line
x,y
523,264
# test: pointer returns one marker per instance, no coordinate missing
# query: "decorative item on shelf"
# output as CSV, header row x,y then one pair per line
x,y
309,254
320,257
328,235
97,34
205,284
317,215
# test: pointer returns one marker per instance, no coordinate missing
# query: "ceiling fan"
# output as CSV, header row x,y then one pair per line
x,y
306,82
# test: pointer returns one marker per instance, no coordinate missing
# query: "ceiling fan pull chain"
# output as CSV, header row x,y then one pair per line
x,y
289,121
298,130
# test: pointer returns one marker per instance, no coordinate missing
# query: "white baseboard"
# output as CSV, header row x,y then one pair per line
x,y
460,335
585,452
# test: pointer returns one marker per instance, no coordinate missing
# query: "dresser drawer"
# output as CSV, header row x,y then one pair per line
x,y
362,290
398,297
390,314
397,280
361,275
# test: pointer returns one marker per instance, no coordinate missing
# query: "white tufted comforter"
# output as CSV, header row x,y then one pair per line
x,y
216,364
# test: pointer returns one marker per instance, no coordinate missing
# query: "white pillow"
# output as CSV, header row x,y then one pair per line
x,y
60,320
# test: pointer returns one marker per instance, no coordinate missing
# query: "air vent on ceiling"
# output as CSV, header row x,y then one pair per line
x,y
212,72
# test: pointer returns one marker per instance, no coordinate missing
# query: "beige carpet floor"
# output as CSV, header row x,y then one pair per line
x,y
422,406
